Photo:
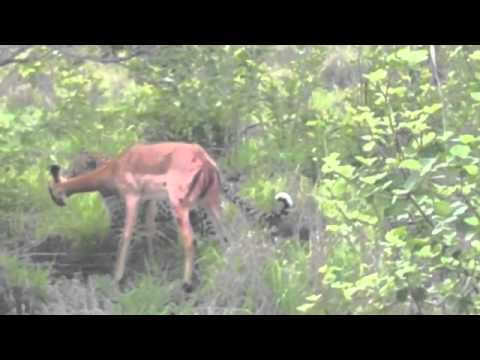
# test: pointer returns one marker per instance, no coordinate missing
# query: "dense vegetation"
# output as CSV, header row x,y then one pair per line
x,y
378,145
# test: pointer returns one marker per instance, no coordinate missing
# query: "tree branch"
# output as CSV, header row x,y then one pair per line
x,y
12,57
113,59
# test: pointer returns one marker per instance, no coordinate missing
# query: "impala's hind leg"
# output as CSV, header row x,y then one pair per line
x,y
186,234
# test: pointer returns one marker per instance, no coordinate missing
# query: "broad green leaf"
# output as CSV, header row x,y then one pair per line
x,y
323,269
442,207
447,135
312,123
349,292
314,298
346,171
364,217
438,229
373,179
428,164
377,76
322,99
460,211
305,307
476,245
366,161
405,269
400,91
6,119
412,57
468,237
367,281
412,181
368,146
475,96
467,139
425,252
461,151
428,138
395,236
475,55
471,169
472,220
432,108
410,164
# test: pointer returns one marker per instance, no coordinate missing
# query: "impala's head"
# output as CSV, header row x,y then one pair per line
x,y
56,192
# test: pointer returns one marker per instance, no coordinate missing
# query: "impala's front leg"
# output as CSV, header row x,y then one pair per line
x,y
186,233
131,203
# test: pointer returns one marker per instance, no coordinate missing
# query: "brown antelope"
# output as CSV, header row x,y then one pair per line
x,y
184,173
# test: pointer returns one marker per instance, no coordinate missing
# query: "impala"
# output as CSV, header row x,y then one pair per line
x,y
183,173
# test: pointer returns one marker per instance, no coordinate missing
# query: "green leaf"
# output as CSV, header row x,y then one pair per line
x,y
425,252
442,207
475,96
428,138
467,139
475,55
432,108
428,164
6,119
396,236
472,221
346,171
312,123
366,161
476,245
373,179
460,211
410,164
461,151
368,146
471,169
305,307
447,135
412,57
367,281
323,269
314,298
377,76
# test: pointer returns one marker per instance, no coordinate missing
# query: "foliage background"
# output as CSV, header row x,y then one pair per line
x,y
377,144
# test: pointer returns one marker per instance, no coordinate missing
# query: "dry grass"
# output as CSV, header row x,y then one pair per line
x,y
234,278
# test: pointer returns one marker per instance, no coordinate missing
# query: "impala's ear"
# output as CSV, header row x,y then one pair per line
x,y
55,172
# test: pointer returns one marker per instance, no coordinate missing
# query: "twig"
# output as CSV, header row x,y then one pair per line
x,y
414,202
433,58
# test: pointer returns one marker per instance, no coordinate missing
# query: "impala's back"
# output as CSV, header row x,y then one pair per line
x,y
155,169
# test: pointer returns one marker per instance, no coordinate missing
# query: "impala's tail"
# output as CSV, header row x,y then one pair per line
x,y
206,180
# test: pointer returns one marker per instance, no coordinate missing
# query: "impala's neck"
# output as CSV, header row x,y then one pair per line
x,y
98,180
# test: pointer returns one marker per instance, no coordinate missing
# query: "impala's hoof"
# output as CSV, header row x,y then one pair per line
x,y
188,288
